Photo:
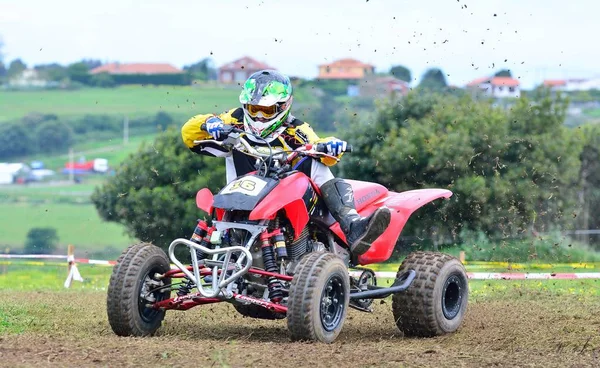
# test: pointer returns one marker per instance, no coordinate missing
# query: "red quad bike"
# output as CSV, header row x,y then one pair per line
x,y
272,249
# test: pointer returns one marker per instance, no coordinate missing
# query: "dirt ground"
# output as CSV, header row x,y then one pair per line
x,y
70,329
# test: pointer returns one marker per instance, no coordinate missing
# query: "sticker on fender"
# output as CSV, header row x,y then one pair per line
x,y
249,185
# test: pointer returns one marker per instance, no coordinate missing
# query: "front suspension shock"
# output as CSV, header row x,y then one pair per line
x,y
268,256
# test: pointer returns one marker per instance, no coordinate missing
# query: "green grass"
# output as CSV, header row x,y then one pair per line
x,y
50,275
79,225
126,100
133,101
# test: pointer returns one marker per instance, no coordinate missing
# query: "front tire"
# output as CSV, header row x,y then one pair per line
x,y
318,298
131,288
436,301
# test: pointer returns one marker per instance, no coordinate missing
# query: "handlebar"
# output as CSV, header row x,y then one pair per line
x,y
322,147
319,149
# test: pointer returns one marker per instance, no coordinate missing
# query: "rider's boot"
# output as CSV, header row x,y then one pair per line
x,y
360,231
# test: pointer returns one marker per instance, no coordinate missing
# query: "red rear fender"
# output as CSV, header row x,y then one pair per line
x,y
402,206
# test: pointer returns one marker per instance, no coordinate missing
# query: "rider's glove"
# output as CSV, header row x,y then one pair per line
x,y
335,147
214,127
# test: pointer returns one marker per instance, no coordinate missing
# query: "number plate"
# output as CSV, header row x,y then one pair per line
x,y
249,185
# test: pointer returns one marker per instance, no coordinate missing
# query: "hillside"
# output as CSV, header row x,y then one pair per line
x,y
132,101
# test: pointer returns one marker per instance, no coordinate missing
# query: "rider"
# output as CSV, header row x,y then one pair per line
x,y
266,100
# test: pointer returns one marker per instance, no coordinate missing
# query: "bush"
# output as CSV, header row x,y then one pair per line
x,y
53,136
41,241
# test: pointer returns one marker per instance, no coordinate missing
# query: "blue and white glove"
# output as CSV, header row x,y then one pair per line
x,y
214,127
335,147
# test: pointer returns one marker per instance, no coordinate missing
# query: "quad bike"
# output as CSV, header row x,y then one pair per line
x,y
272,249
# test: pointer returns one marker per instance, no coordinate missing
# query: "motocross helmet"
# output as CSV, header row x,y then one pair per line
x,y
266,98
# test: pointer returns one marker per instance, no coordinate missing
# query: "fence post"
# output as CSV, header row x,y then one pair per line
x,y
462,256
70,257
7,251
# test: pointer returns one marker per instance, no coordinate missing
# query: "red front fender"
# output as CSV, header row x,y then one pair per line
x,y
287,195
205,200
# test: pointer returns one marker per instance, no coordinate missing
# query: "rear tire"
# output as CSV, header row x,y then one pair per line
x,y
318,298
127,314
436,301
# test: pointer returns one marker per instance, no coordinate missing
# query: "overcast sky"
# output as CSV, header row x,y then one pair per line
x,y
537,39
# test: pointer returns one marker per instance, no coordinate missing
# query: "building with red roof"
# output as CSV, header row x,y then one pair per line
x,y
241,69
499,87
136,68
345,69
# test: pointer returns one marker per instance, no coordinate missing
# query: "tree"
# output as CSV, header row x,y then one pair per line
x,y
510,171
503,73
401,72
202,70
78,72
15,68
52,72
15,140
41,241
91,63
433,79
153,191
53,135
103,80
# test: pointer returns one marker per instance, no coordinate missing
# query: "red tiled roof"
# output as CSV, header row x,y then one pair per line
x,y
136,68
344,75
495,81
555,82
478,81
245,63
348,63
505,81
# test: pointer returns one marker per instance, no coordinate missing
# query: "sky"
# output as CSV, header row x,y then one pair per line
x,y
467,39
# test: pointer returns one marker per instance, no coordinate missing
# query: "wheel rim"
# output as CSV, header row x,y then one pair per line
x,y
332,303
452,295
148,315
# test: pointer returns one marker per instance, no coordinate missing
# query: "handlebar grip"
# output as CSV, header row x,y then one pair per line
x,y
322,147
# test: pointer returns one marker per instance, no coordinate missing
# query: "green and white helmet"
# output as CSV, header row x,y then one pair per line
x,y
266,99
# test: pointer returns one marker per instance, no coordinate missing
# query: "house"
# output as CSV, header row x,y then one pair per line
x,y
498,87
136,68
373,85
579,84
241,69
13,173
28,78
345,69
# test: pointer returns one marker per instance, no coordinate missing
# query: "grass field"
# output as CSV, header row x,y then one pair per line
x,y
79,225
132,101
508,324
127,100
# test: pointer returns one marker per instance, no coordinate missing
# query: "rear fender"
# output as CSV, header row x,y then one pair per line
x,y
287,195
402,206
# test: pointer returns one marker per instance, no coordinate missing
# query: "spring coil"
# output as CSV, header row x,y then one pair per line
x,y
186,288
270,265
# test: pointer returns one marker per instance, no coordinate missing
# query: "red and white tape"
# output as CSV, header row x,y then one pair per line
x,y
380,274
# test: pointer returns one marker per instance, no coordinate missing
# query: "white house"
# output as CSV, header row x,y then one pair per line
x,y
580,84
28,78
499,87
10,172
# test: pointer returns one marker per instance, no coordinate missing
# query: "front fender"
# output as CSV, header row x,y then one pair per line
x,y
287,195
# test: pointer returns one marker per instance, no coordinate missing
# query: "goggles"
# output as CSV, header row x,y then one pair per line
x,y
267,111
